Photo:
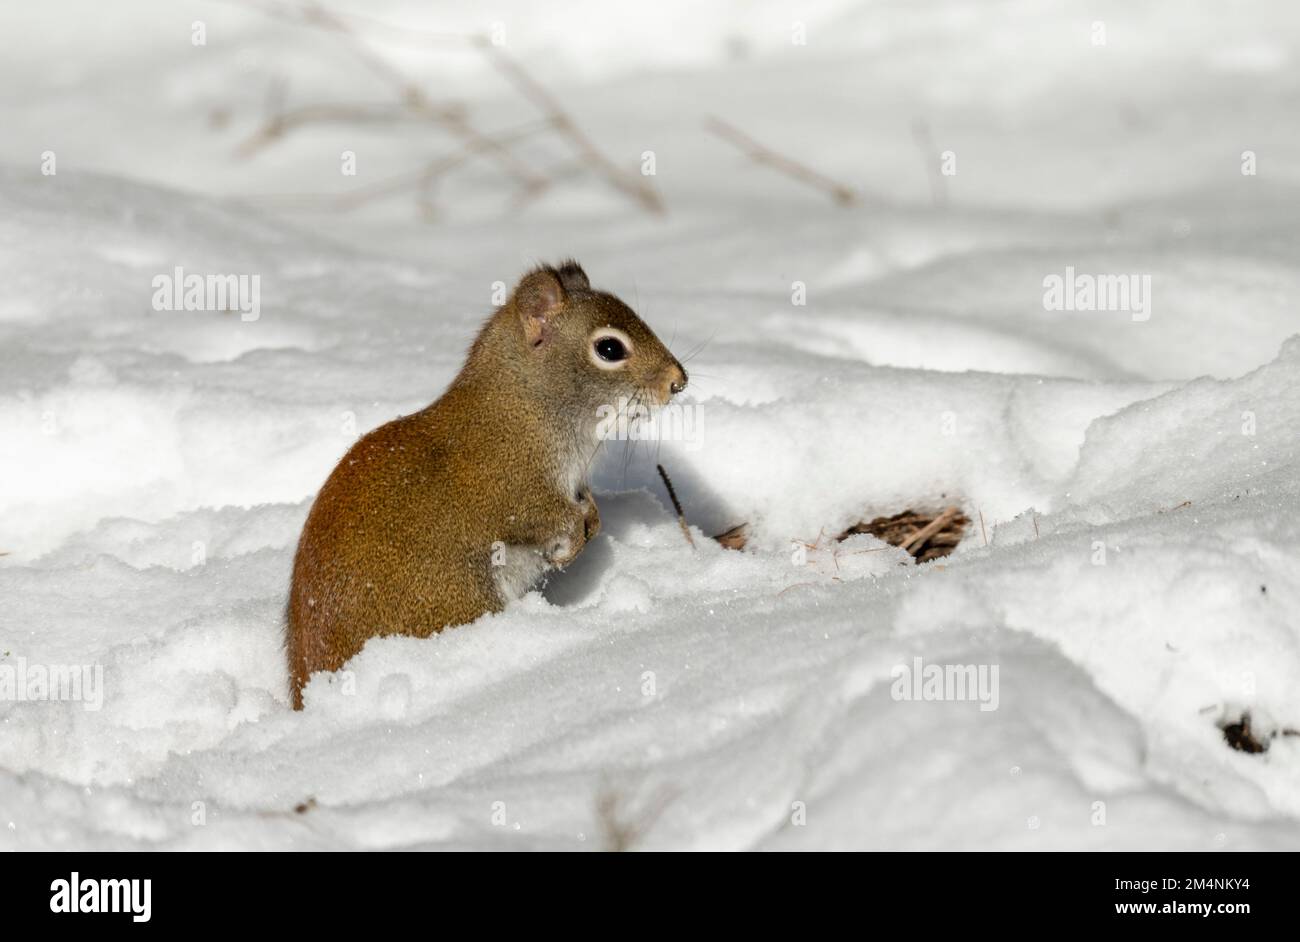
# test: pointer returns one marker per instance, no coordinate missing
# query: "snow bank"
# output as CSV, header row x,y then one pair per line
x,y
1131,570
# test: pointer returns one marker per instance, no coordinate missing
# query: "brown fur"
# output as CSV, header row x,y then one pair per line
x,y
400,539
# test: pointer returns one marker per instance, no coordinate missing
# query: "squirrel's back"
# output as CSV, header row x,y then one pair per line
x,y
378,554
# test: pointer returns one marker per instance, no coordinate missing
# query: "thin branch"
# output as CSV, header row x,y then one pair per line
x,y
408,90
282,121
455,121
422,178
677,506
841,193
550,106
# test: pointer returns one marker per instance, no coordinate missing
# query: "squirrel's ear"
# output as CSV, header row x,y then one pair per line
x,y
572,276
537,300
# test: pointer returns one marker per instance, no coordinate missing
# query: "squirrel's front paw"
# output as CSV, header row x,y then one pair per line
x,y
561,551
582,525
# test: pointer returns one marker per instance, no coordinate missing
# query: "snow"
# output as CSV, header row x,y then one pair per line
x,y
1134,485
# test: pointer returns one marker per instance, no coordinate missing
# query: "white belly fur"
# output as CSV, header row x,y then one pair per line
x,y
521,568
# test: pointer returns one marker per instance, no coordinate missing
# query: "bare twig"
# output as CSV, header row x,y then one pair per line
x,y
414,104
280,122
560,119
799,585
677,506
841,193
410,94
422,179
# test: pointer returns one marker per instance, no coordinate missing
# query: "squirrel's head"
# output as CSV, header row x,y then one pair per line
x,y
585,348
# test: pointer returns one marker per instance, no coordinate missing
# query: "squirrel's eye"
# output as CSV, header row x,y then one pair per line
x,y
610,349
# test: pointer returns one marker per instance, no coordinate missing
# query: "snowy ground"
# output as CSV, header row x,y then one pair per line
x,y
1136,585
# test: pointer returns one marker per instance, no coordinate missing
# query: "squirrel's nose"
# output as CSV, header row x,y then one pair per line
x,y
678,384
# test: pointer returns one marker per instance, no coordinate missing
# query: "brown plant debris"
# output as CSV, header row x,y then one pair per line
x,y
735,537
1241,737
926,535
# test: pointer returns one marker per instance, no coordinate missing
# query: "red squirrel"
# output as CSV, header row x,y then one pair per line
x,y
440,516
